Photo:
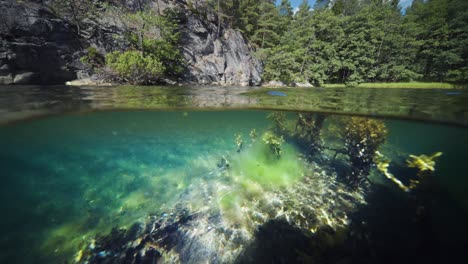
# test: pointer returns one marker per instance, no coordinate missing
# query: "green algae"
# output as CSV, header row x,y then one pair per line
x,y
172,165
259,165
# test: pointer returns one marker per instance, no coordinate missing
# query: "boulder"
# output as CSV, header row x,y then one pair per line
x,y
274,84
302,84
25,78
6,79
87,82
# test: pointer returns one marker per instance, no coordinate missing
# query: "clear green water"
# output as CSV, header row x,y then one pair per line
x,y
67,178
80,173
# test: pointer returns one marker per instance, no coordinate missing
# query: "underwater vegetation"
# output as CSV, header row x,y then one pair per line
x,y
239,142
360,139
214,220
303,129
274,142
279,121
308,129
252,190
423,163
363,137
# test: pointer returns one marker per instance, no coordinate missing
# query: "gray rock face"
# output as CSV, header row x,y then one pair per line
x,y
224,60
36,47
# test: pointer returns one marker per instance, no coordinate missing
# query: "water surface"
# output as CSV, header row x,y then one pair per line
x,y
70,178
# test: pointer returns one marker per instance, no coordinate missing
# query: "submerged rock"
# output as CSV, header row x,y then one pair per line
x,y
198,229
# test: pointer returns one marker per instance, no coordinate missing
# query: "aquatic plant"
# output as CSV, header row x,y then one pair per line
x,y
279,122
274,142
363,137
382,165
425,165
253,135
239,142
423,162
308,130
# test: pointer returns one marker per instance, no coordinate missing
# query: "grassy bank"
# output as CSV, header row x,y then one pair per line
x,y
409,85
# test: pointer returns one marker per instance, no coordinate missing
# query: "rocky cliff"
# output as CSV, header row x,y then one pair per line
x,y
38,47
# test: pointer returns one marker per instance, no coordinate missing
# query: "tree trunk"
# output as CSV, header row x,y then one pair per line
x,y
219,19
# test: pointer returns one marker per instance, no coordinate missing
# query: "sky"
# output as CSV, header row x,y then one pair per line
x,y
296,3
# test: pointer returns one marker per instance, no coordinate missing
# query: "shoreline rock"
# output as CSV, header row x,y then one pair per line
x,y
302,84
37,47
274,84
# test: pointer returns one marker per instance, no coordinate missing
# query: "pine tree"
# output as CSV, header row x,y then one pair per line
x,y
266,36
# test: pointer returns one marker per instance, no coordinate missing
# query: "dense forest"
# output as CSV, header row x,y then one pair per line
x,y
355,41
335,41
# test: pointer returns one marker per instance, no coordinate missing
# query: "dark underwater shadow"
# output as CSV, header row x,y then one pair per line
x,y
277,242
391,228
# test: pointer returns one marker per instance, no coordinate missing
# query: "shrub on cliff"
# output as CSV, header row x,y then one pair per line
x,y
134,67
153,53
93,58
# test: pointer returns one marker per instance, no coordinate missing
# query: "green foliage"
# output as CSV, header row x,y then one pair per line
x,y
400,85
93,58
74,11
154,52
441,28
157,35
134,67
370,41
266,35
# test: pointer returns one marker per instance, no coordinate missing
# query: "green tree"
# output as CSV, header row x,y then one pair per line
x,y
324,62
286,14
248,20
442,27
75,11
286,60
154,51
266,35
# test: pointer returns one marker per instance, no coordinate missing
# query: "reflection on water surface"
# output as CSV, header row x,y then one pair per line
x,y
447,106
